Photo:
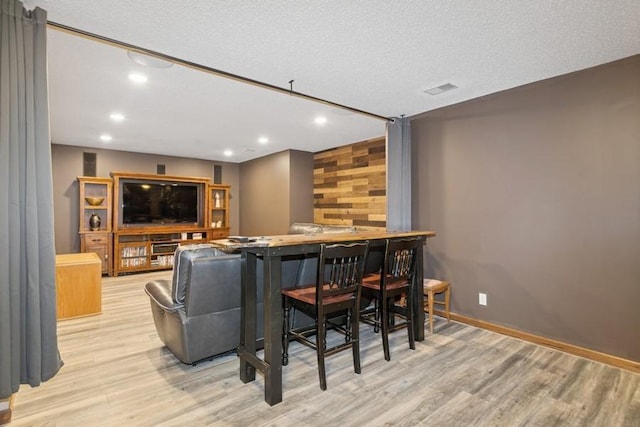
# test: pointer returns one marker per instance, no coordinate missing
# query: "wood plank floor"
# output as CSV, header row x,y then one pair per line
x,y
117,373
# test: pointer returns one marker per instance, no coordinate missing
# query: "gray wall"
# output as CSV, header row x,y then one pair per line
x,y
276,191
301,186
535,196
67,165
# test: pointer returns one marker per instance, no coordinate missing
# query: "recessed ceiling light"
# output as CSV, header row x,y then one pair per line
x,y
263,140
440,89
116,117
148,61
228,153
138,78
105,137
320,120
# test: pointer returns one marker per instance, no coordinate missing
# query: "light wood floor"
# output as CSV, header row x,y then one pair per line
x,y
117,373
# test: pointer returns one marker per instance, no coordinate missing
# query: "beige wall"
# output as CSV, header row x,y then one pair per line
x,y
535,195
276,191
67,165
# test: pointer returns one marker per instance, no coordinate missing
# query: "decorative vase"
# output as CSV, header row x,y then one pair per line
x,y
94,222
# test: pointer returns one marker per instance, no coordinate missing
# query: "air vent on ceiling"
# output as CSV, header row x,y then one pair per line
x,y
440,89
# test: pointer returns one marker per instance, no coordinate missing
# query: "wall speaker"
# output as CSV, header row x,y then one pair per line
x,y
161,169
217,174
89,164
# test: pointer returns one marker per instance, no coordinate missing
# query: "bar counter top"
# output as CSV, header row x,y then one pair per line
x,y
243,242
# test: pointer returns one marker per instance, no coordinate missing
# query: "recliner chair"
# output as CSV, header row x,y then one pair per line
x,y
197,313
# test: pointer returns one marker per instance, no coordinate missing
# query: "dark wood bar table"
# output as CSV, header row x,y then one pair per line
x,y
271,249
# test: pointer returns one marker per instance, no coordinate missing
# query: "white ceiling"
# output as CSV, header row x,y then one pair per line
x,y
377,55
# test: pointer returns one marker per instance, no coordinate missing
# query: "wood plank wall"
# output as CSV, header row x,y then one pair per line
x,y
350,185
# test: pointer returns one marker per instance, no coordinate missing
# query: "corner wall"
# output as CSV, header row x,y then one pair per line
x,y
276,191
301,187
535,197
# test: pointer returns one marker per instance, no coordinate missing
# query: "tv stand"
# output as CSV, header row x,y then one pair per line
x,y
147,250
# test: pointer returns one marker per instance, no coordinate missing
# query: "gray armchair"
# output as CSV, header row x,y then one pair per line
x,y
197,313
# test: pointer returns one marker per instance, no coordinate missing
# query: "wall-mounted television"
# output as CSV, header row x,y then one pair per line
x,y
160,203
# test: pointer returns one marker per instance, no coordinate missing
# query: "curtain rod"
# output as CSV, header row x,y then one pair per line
x,y
210,70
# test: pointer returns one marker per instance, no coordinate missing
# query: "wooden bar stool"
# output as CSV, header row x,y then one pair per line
x,y
431,288
395,279
335,293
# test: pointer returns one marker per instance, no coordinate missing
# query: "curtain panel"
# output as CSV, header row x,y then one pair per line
x,y
28,341
399,174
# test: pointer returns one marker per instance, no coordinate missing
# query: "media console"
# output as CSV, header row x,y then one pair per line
x,y
147,251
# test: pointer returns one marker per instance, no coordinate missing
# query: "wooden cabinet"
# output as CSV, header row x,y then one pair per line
x,y
126,244
147,251
100,244
78,285
218,212
95,219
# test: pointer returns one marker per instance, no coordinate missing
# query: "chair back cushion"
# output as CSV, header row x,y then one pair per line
x,y
182,267
214,285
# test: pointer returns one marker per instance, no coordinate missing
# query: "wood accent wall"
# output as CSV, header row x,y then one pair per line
x,y
350,185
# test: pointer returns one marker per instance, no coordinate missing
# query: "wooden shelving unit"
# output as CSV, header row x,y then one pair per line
x,y
95,199
137,251
218,212
151,247
129,248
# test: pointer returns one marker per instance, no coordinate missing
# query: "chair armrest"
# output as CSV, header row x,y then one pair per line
x,y
160,292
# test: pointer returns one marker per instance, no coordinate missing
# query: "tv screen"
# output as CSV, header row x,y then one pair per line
x,y
159,203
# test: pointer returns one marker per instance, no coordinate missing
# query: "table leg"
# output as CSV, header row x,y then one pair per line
x,y
247,348
418,297
273,329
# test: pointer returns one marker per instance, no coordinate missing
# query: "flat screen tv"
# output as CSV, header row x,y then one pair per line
x,y
159,203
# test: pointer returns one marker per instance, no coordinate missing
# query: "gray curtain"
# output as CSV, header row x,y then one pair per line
x,y
28,340
399,174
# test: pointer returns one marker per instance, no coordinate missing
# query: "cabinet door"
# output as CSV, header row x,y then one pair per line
x,y
102,252
98,243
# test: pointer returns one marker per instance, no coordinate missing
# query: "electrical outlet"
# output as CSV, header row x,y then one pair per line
x,y
482,299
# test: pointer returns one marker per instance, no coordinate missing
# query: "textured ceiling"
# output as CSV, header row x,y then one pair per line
x,y
377,56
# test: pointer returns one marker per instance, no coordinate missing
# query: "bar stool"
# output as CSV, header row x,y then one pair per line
x,y
386,289
336,292
431,288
